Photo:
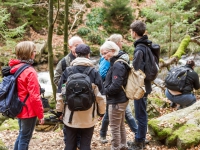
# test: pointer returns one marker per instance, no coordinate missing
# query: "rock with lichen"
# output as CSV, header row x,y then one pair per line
x,y
180,128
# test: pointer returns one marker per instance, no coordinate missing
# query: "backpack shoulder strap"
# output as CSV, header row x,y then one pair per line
x,y
70,70
121,60
88,70
20,70
63,64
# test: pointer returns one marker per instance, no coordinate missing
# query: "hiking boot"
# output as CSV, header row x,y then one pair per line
x,y
103,140
173,105
124,148
146,141
136,145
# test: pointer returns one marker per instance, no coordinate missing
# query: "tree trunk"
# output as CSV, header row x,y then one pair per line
x,y
66,27
49,45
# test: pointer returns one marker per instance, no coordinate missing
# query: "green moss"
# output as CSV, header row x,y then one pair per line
x,y
157,101
164,133
52,103
2,146
2,119
185,137
11,124
182,47
159,132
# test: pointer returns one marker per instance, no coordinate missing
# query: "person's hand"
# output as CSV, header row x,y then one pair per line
x,y
41,121
100,118
59,115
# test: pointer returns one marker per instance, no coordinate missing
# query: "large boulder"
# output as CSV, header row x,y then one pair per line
x,y
180,128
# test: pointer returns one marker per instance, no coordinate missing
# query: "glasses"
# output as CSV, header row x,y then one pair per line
x,y
105,53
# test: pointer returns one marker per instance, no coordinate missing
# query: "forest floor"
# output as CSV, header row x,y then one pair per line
x,y
53,140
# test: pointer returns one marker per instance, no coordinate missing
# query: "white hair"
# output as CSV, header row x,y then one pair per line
x,y
109,45
73,39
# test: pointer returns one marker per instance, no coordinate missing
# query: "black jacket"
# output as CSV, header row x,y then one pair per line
x,y
116,78
94,77
139,59
192,81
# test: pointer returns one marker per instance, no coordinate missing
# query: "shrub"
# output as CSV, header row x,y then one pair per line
x,y
95,38
83,31
118,14
95,18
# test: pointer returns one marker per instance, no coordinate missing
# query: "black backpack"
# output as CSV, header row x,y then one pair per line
x,y
10,104
176,77
151,58
79,92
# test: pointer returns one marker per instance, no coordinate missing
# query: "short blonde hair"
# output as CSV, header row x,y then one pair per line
x,y
115,38
24,50
109,45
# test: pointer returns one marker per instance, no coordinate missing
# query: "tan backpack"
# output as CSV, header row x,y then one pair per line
x,y
135,88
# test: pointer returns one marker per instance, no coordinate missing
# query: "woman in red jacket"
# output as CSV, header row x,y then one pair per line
x,y
27,86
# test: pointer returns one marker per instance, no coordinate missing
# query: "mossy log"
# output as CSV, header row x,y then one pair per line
x,y
180,128
177,55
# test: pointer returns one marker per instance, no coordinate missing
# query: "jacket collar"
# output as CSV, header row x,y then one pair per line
x,y
144,40
82,61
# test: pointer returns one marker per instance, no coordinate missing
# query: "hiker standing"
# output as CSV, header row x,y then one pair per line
x,y
27,86
81,122
116,98
138,29
104,66
65,62
185,97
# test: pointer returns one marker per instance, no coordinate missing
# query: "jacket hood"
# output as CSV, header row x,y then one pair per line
x,y
144,39
121,55
15,64
82,61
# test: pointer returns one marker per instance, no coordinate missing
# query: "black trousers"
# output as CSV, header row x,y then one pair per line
x,y
70,137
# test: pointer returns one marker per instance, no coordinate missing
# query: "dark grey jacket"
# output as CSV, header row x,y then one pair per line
x,y
116,78
139,59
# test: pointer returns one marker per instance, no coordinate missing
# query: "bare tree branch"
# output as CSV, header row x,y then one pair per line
x,y
57,12
75,19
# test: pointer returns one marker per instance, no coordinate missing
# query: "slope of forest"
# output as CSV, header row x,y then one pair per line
x,y
53,140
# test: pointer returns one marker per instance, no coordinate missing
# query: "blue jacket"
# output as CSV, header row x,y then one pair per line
x,y
104,66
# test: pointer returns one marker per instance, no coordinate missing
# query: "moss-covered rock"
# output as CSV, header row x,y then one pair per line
x,y
2,118
180,128
10,124
2,146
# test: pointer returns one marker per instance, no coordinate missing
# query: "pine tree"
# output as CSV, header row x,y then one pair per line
x,y
118,15
168,22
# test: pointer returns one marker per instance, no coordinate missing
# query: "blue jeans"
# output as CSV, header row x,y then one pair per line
x,y
26,127
184,100
142,118
105,123
129,119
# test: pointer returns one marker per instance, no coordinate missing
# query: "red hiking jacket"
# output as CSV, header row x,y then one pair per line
x,y
27,83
